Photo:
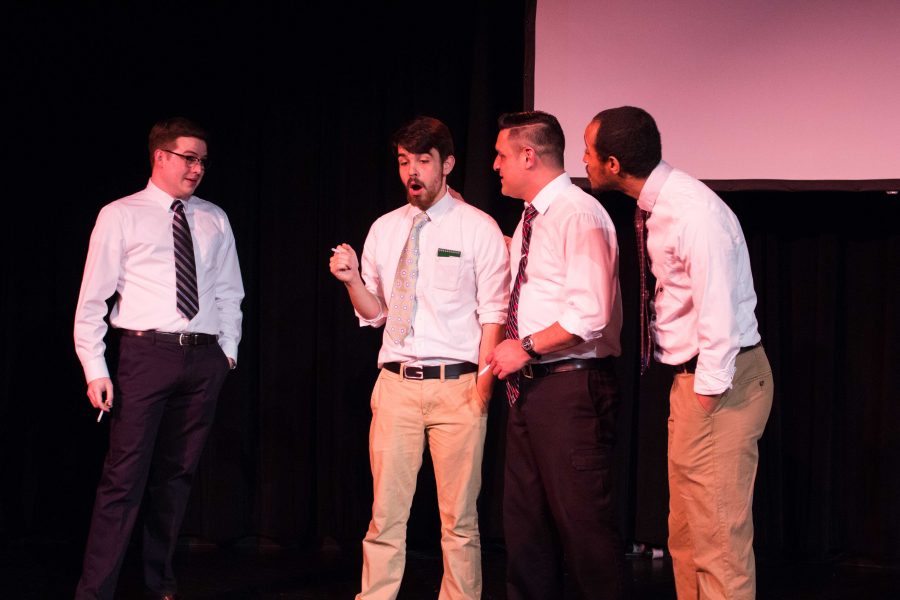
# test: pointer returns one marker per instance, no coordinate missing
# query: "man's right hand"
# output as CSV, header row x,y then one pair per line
x,y
344,264
96,390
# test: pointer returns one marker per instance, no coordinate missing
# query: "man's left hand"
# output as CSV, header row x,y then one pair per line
x,y
507,358
709,403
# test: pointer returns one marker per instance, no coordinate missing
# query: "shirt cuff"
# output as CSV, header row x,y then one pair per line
x,y
576,326
95,369
376,321
230,349
494,317
711,383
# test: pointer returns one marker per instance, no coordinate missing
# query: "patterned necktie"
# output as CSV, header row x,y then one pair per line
x,y
640,231
512,317
185,267
403,295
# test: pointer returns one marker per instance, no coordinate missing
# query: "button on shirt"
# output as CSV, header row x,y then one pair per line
x,y
131,253
463,280
573,271
704,298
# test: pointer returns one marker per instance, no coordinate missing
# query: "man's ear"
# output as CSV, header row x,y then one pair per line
x,y
448,165
612,163
530,156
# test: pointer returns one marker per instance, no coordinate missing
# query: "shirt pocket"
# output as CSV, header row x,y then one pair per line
x,y
447,272
207,243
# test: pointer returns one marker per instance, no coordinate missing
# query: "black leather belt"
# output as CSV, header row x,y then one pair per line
x,y
535,370
182,339
691,365
452,371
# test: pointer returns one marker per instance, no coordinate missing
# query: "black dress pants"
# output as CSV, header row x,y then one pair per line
x,y
165,400
558,509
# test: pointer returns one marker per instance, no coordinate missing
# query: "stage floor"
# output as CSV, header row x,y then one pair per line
x,y
48,570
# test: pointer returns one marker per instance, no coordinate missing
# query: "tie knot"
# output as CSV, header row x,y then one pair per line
x,y
420,218
530,213
177,206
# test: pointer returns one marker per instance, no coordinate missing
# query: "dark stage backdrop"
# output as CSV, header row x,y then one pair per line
x,y
301,103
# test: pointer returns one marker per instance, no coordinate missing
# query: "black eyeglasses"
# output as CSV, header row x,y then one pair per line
x,y
191,160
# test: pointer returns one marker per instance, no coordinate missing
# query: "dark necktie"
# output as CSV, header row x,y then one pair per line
x,y
512,317
185,267
640,231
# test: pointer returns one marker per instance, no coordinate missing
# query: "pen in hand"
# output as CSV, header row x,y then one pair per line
x,y
484,370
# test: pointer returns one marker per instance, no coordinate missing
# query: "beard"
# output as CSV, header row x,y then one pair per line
x,y
420,195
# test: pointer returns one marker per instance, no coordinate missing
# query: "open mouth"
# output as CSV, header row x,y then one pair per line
x,y
415,186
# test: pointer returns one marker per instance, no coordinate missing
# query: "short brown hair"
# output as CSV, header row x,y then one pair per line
x,y
165,132
421,135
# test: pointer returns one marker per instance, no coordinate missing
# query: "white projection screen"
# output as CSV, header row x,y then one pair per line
x,y
788,90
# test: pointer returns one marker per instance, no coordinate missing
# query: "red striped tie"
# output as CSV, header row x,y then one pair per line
x,y
640,230
512,318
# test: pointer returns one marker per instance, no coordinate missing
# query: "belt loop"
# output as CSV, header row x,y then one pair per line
x,y
402,370
442,372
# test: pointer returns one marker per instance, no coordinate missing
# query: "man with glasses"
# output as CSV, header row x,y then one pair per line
x,y
169,259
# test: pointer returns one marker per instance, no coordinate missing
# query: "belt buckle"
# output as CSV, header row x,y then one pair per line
x,y
182,337
415,373
527,372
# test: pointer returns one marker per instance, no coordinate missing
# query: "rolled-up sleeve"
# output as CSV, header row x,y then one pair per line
x,y
709,260
372,280
491,275
591,278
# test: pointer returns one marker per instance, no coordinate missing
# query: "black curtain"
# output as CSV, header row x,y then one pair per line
x,y
301,103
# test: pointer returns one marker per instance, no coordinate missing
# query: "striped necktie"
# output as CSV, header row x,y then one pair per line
x,y
640,231
512,318
185,267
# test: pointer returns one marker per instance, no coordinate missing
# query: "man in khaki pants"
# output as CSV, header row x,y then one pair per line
x,y
704,327
435,273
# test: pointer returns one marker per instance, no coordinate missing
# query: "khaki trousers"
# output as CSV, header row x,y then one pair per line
x,y
452,418
712,469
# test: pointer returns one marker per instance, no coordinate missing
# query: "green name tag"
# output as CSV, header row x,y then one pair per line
x,y
445,252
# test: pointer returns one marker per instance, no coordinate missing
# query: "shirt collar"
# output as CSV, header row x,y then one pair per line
x,y
545,197
653,185
165,200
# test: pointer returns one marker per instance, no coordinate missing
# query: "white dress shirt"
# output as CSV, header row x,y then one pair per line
x,y
463,280
572,274
704,297
131,254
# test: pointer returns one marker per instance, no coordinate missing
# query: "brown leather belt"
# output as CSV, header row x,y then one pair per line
x,y
691,365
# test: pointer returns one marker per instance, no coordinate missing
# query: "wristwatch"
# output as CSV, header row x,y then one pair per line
x,y
528,346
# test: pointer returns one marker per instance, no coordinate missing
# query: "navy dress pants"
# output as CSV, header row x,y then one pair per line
x,y
558,509
165,401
